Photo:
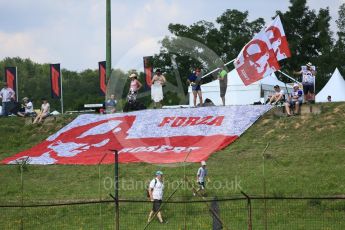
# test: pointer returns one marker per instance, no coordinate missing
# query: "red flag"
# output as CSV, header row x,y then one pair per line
x,y
102,77
11,78
148,69
256,60
276,35
55,80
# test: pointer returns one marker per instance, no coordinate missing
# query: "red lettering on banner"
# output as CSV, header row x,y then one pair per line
x,y
166,120
191,121
179,121
217,121
204,121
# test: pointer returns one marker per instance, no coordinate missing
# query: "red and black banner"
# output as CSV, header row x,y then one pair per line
x,y
55,80
11,78
102,78
148,70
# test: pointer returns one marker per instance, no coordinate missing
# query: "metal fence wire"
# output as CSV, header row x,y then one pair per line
x,y
237,213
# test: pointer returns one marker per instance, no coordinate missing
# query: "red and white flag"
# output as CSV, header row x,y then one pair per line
x,y
276,35
256,60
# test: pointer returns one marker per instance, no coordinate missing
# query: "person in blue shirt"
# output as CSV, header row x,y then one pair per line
x,y
195,81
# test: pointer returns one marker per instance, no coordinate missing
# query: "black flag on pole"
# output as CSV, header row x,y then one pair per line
x,y
148,70
11,78
102,78
55,80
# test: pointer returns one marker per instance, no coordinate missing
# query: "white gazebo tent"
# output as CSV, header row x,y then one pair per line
x,y
335,88
239,94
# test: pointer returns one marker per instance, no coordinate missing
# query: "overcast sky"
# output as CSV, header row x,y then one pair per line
x,y
72,32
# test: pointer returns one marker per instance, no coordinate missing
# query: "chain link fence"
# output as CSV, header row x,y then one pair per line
x,y
236,213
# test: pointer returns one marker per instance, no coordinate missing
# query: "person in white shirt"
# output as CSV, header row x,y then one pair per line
x,y
45,111
7,95
277,96
28,108
201,177
156,189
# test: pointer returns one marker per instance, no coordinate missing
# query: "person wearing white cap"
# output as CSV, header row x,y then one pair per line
x,y
308,81
294,100
200,177
156,189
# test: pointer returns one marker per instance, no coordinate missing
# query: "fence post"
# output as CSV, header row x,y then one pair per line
x,y
99,191
117,214
22,197
249,206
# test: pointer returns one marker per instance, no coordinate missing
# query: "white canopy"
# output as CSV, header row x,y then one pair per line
x,y
335,88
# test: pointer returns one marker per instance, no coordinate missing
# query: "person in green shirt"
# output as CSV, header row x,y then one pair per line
x,y
223,82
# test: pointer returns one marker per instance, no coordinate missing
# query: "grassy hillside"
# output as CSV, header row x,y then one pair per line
x,y
305,157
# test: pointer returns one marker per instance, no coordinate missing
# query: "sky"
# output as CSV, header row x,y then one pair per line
x,y
72,32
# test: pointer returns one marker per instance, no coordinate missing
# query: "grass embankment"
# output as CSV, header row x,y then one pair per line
x,y
306,157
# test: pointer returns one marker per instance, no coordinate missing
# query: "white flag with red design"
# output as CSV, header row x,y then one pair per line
x,y
256,60
276,35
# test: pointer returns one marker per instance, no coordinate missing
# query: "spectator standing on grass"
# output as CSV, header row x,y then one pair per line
x,y
195,81
156,189
223,82
7,95
158,81
44,112
201,178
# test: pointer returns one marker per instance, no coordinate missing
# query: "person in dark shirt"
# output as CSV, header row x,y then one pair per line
x,y
195,81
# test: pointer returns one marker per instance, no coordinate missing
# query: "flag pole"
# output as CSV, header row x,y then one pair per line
x,y
288,76
61,99
218,68
17,92
108,40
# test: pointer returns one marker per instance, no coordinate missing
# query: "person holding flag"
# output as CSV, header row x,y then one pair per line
x,y
308,73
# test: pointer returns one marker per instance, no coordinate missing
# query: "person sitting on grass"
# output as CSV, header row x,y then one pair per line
x,y
28,108
294,101
44,112
277,97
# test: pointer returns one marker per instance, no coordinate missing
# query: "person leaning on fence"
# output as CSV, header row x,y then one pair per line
x,y
294,101
156,189
201,178
278,96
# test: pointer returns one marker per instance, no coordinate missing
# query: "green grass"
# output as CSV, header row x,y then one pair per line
x,y
306,157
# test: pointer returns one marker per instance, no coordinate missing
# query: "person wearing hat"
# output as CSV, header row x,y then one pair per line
x,y
134,87
158,81
195,81
28,108
277,96
308,81
201,178
156,189
294,101
7,95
